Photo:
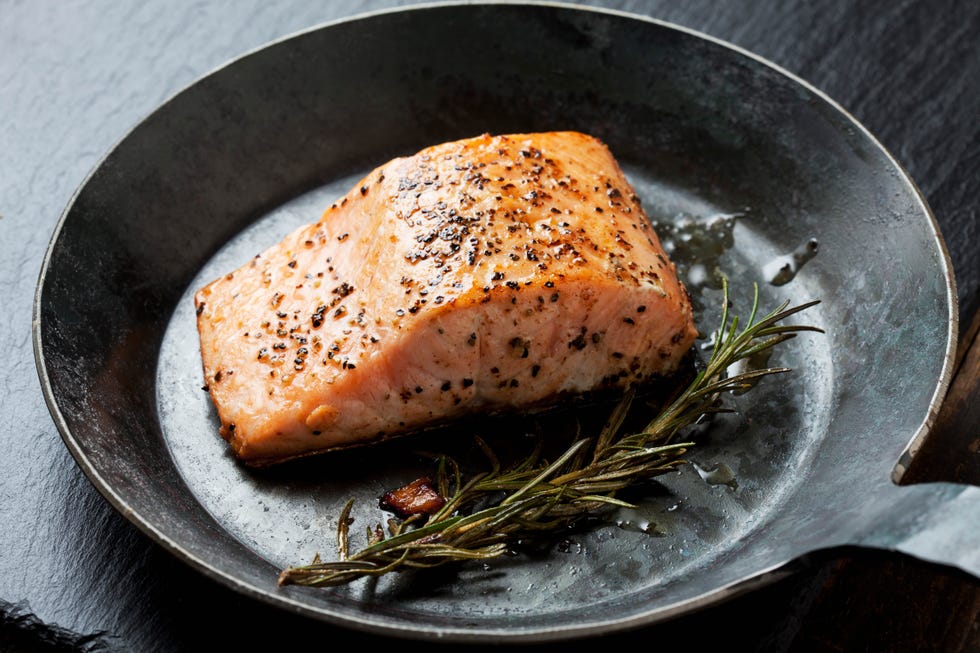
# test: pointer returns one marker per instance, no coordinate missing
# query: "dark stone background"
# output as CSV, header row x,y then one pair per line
x,y
76,76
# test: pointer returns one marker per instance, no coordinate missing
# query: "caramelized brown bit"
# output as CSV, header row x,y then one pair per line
x,y
416,498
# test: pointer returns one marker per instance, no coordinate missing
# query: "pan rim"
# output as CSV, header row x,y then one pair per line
x,y
470,635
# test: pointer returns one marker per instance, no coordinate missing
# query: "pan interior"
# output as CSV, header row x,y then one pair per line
x,y
742,468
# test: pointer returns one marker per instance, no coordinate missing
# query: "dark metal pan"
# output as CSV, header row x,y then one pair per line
x,y
709,134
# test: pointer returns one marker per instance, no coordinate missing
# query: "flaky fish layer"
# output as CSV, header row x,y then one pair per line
x,y
487,274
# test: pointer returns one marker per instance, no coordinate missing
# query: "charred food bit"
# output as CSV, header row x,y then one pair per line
x,y
416,498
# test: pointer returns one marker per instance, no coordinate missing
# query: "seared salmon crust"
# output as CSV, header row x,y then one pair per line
x,y
487,274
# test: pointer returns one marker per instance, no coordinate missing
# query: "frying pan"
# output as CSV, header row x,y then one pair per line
x,y
716,141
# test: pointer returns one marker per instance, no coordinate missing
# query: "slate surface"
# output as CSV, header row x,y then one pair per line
x,y
75,76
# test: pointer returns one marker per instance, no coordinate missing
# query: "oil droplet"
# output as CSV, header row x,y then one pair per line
x,y
697,275
783,269
639,526
718,474
696,245
568,546
756,361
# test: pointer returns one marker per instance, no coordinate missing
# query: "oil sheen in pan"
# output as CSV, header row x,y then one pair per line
x,y
288,514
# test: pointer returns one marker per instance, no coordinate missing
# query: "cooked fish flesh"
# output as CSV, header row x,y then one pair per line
x,y
492,274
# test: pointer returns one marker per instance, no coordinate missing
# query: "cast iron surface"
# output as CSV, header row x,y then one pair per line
x,y
703,130
74,78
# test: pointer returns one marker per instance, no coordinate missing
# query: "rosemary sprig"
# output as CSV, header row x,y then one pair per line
x,y
535,496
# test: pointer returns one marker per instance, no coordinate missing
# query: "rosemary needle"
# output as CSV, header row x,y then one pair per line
x,y
535,496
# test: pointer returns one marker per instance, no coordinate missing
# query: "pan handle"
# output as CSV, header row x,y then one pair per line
x,y
935,522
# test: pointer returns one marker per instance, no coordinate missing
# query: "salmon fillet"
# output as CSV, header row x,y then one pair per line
x,y
490,274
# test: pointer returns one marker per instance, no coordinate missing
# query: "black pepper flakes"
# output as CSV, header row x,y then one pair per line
x,y
343,289
317,318
520,346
